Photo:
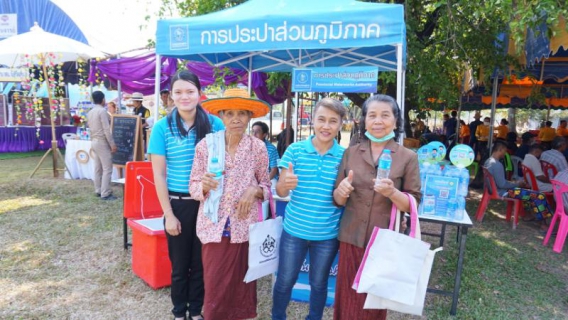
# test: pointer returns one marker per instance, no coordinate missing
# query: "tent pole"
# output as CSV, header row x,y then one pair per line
x,y
119,89
457,134
157,77
250,76
399,86
493,106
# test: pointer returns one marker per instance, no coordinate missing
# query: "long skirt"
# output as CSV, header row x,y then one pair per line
x,y
534,199
348,303
226,295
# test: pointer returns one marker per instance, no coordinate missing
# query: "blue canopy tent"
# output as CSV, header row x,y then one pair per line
x,y
279,35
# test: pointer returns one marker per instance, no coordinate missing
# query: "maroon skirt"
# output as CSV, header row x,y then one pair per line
x,y
348,303
226,295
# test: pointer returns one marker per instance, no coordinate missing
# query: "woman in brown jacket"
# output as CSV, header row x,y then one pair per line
x,y
368,205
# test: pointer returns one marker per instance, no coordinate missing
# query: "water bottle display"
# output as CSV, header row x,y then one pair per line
x,y
215,168
383,170
444,186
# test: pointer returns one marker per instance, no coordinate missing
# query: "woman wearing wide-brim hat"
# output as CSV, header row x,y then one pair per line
x,y
229,203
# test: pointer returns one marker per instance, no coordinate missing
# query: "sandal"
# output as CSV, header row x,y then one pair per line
x,y
197,317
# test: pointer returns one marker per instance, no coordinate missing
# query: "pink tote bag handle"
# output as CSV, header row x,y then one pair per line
x,y
270,204
413,215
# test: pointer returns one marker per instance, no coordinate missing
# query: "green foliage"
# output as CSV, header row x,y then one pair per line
x,y
276,80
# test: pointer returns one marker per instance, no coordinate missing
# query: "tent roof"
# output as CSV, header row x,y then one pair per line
x,y
48,15
278,35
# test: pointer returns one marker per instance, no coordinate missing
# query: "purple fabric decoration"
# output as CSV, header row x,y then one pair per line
x,y
206,74
137,74
25,140
261,91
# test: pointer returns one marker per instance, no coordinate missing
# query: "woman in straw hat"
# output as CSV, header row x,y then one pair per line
x,y
229,198
172,145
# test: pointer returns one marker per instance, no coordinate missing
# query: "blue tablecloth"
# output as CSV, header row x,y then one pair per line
x,y
24,139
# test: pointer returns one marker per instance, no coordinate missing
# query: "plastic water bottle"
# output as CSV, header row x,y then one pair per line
x,y
464,182
423,173
461,208
451,208
216,169
384,168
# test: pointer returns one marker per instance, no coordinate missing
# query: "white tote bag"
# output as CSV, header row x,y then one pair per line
x,y
264,244
417,305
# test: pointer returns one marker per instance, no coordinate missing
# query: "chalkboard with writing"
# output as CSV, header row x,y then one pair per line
x,y
127,135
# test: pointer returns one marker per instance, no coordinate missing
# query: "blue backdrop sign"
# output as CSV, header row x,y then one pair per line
x,y
344,79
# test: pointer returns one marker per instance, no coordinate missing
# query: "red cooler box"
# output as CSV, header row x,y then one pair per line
x,y
150,259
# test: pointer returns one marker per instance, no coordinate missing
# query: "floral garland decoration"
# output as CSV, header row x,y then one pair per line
x,y
30,103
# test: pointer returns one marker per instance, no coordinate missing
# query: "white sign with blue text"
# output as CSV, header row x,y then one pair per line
x,y
336,79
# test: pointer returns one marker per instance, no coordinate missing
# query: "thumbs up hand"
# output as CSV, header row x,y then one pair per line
x,y
290,179
345,187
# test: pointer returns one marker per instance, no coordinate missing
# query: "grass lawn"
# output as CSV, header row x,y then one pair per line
x,y
61,257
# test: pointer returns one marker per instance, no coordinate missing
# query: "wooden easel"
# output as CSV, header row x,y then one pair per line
x,y
54,150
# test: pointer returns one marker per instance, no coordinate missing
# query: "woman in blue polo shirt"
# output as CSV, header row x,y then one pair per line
x,y
172,145
311,220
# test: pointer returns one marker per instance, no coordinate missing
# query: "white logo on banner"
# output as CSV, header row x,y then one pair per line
x,y
179,37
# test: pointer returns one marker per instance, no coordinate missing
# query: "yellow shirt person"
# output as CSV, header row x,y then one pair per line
x,y
547,133
503,129
482,131
562,130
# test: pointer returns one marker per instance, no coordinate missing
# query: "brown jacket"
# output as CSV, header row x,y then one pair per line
x,y
366,208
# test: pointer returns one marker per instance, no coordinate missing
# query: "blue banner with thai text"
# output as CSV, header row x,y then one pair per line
x,y
340,79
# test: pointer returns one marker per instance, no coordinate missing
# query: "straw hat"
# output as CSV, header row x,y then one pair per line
x,y
236,99
137,96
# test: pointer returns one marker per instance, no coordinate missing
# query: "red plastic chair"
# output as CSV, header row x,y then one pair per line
x,y
514,206
560,216
530,179
548,169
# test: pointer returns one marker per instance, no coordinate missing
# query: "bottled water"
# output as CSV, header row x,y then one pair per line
x,y
385,161
429,204
461,208
464,182
423,172
452,208
215,168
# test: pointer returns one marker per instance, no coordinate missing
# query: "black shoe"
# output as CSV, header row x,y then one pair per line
x,y
110,197
98,194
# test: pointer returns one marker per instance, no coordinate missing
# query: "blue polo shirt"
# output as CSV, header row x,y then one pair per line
x,y
272,156
311,214
178,150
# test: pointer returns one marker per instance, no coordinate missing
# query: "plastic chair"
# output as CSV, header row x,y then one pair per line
x,y
560,189
530,179
516,165
67,136
514,206
549,169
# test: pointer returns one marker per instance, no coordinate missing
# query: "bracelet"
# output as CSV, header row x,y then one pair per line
x,y
169,210
392,193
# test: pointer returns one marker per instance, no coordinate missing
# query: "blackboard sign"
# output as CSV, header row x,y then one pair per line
x,y
127,135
